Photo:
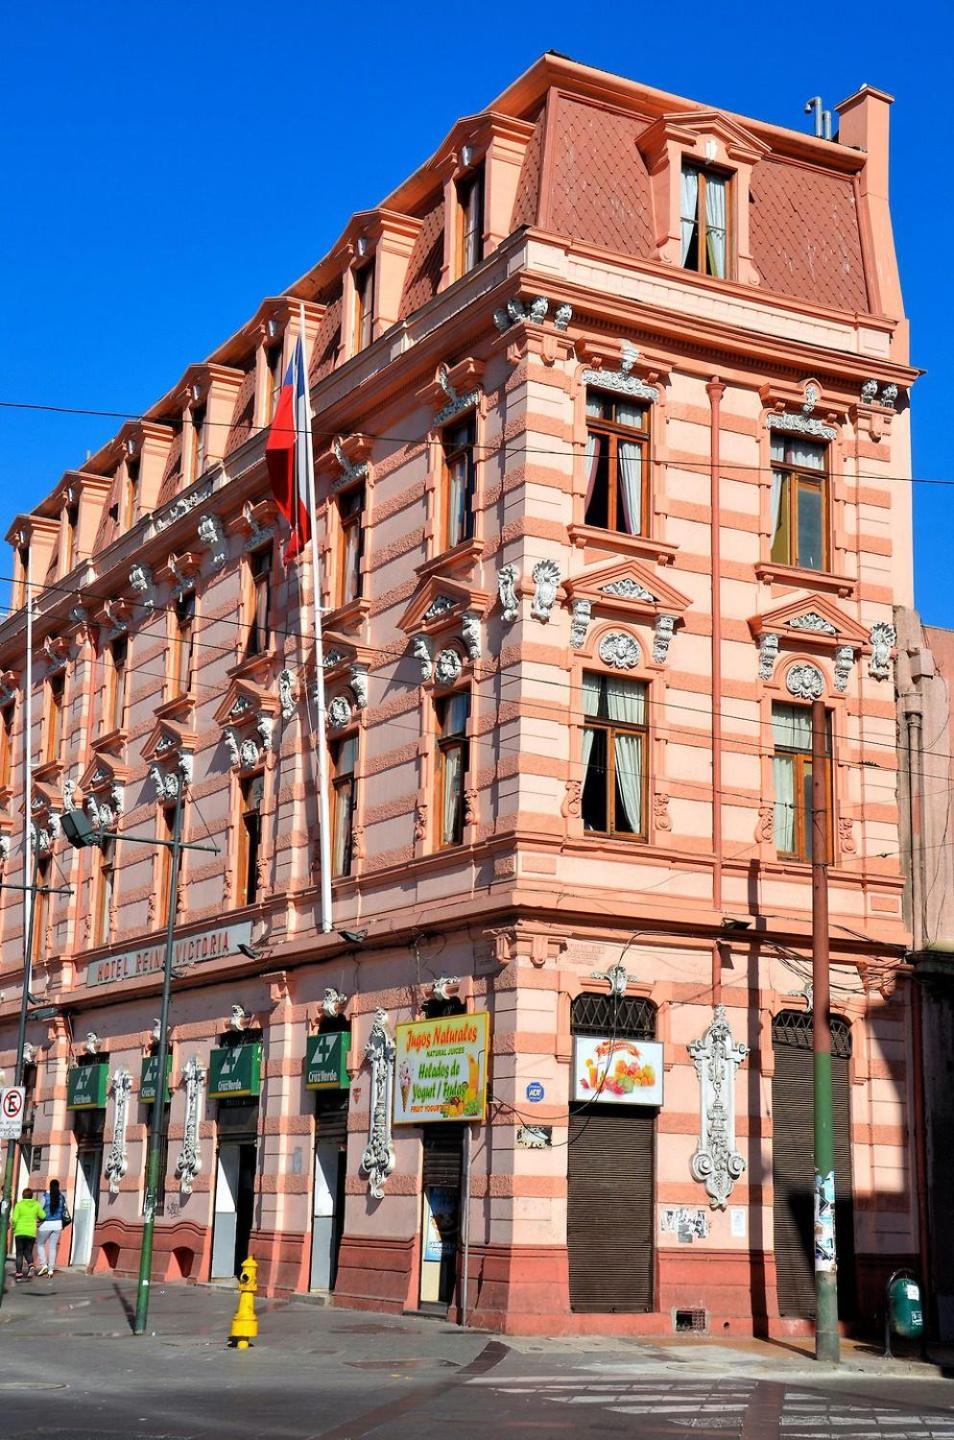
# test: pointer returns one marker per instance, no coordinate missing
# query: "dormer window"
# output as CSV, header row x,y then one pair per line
x,y
363,306
704,208
130,492
470,220
72,522
273,364
198,440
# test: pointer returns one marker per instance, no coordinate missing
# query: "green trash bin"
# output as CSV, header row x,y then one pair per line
x,y
904,1313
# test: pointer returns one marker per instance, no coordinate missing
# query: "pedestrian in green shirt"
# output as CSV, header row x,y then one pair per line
x,y
26,1217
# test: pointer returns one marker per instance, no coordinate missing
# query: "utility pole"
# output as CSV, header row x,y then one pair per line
x,y
827,1343
157,1122
10,1170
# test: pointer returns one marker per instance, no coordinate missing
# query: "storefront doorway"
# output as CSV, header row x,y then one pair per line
x,y
234,1206
611,1173
89,1165
331,1156
86,1097
440,1221
235,1081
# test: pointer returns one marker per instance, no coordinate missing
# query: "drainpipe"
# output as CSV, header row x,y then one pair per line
x,y
715,390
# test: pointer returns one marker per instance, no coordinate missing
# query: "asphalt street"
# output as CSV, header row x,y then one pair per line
x,y
70,1367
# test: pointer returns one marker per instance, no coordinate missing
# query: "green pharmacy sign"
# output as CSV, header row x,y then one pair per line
x,y
235,1071
86,1087
325,1060
149,1076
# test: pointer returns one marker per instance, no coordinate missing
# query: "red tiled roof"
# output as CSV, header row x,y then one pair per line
x,y
173,471
527,203
328,335
427,258
243,413
599,189
805,235
106,532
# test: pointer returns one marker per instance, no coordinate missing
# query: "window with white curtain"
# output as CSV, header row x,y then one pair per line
x,y
614,755
703,210
799,502
453,746
616,464
792,775
460,479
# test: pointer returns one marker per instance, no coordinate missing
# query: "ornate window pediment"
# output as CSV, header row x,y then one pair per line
x,y
445,622
803,409
454,389
167,742
181,571
630,591
346,461
103,784
247,715
617,366
255,524
814,624
346,665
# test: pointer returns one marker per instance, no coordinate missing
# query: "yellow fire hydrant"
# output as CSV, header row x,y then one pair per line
x,y
244,1322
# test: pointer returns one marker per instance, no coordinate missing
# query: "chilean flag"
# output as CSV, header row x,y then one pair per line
x,y
288,453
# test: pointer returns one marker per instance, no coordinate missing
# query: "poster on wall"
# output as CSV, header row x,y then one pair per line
x,y
440,1240
441,1069
617,1071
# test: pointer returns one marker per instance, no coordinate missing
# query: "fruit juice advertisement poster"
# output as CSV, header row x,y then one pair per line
x,y
617,1071
440,1069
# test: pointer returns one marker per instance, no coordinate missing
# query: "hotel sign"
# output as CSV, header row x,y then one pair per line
x,y
190,950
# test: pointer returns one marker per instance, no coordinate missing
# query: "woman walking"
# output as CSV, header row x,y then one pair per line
x,y
51,1228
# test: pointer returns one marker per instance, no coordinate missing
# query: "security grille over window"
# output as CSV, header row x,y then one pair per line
x,y
794,1027
606,1015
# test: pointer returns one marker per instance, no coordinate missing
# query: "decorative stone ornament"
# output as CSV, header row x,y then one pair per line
x,y
445,987
883,638
286,702
811,620
209,531
421,650
333,1003
616,978
349,472
507,591
140,578
844,660
628,589
359,685
546,578
663,631
447,667
716,1163
580,615
562,317
470,633
438,606
622,381
805,682
378,1159
116,1164
619,651
189,1162
869,391
768,654
801,424
456,404
339,713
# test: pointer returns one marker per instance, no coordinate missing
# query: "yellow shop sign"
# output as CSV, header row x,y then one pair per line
x,y
441,1069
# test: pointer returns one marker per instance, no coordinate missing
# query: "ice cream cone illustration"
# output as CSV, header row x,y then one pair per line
x,y
473,1074
405,1080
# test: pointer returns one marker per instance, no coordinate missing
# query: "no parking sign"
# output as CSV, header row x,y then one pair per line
x,y
12,1098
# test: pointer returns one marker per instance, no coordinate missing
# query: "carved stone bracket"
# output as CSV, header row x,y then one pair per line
x,y
421,650
212,536
663,631
844,660
546,578
507,590
333,1003
116,1163
140,578
189,1162
883,639
378,1159
768,654
456,403
286,699
470,633
716,1163
581,612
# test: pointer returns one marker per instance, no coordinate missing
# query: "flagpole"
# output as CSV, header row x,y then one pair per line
x,y
306,451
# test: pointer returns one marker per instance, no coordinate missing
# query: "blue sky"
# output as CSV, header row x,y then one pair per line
x,y
166,167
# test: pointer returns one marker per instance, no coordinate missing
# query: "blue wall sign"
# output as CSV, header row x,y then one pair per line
x,y
535,1091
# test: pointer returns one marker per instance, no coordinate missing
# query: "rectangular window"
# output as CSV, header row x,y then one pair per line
x,y
799,502
273,364
363,306
351,548
251,794
54,718
41,909
615,749
105,881
183,644
259,601
792,775
7,715
470,220
198,441
703,211
453,758
460,478
116,683
344,756
616,464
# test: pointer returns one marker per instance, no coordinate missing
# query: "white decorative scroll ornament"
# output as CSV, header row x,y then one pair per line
x,y
619,650
801,424
470,633
116,1164
507,590
349,472
189,1162
6,846
716,1163
883,638
445,987
581,613
264,725
102,815
421,650
447,667
768,654
182,506
844,660
117,797
889,396
562,316
377,1161
286,702
333,1003
438,606
616,978
663,631
456,404
805,682
339,713
140,578
811,620
209,531
257,534
232,746
623,381
359,685
69,794
628,589
546,578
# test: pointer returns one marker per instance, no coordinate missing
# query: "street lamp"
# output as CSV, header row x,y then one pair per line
x,y
82,834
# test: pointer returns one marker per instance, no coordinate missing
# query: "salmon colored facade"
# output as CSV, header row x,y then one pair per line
x,y
612,416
